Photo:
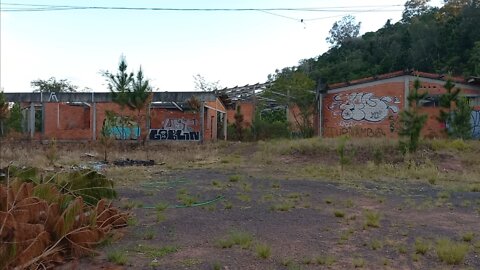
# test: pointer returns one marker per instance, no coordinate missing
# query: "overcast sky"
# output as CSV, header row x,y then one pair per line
x,y
233,47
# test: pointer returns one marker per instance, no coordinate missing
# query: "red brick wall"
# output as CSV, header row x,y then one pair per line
x,y
67,122
211,118
366,111
159,117
248,111
102,108
344,117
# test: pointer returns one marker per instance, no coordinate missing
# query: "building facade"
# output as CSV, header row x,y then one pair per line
x,y
371,107
170,116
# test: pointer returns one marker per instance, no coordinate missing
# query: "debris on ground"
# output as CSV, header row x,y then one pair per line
x,y
134,162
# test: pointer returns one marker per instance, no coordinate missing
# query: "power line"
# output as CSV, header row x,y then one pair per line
x,y
18,7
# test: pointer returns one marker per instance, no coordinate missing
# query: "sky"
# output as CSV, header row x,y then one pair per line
x,y
232,47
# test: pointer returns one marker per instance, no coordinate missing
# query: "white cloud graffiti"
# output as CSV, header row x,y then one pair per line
x,y
364,106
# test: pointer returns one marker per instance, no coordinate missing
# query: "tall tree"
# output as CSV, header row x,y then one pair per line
x,y
343,30
201,84
446,101
53,85
414,8
120,83
130,91
460,124
139,98
411,120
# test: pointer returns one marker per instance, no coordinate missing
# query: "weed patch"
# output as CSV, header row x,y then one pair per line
x,y
372,219
240,238
451,252
117,257
263,250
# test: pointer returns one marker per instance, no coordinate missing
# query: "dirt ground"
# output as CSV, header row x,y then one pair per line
x,y
321,219
288,205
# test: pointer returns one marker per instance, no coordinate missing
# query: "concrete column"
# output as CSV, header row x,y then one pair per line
x,y
406,91
320,115
225,126
149,123
202,122
43,119
58,115
94,121
31,120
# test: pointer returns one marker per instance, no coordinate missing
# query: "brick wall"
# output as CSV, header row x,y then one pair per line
x,y
248,111
67,122
365,111
357,114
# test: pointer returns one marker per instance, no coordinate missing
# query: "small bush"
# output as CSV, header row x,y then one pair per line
x,y
325,260
161,206
372,219
263,251
283,207
339,213
421,246
235,178
451,252
228,205
376,244
117,257
148,235
468,236
243,239
358,262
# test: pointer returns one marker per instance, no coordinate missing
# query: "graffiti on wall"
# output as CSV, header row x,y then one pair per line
x,y
356,131
176,130
476,124
363,106
120,127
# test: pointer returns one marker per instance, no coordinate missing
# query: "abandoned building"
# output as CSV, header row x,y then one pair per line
x,y
180,116
368,107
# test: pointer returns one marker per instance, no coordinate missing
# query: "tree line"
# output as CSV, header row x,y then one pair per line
x,y
438,40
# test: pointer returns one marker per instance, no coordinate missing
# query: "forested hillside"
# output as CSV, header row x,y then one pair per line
x,y
439,40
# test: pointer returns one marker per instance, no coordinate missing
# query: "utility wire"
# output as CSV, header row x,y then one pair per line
x,y
17,7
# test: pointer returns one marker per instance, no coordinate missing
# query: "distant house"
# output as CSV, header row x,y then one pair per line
x,y
370,107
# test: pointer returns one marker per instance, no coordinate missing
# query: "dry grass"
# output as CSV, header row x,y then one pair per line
x,y
230,156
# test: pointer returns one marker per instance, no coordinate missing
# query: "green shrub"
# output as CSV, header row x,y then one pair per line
x,y
358,262
451,252
117,257
421,246
235,178
468,236
339,213
372,219
263,251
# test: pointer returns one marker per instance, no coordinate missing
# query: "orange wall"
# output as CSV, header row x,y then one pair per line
x,y
67,122
248,111
354,113
371,111
172,124
102,109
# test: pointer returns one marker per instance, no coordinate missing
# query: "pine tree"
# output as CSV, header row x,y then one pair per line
x,y
460,125
411,120
446,101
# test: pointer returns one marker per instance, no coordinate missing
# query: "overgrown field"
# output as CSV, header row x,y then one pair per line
x,y
288,204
